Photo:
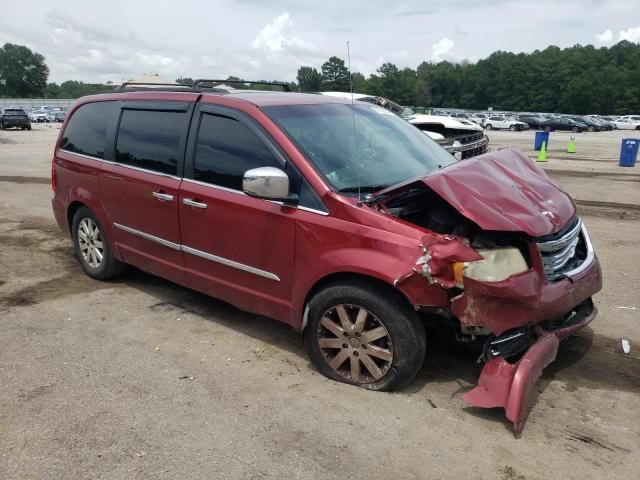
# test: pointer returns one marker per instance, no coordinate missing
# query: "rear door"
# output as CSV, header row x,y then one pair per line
x,y
236,247
140,185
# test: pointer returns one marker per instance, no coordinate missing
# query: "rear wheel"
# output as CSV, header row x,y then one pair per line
x,y
591,129
92,247
29,127
575,129
363,334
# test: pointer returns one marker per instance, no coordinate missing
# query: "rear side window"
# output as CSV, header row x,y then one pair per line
x,y
150,139
226,149
86,132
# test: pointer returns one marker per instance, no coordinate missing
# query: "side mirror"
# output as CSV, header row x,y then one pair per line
x,y
269,183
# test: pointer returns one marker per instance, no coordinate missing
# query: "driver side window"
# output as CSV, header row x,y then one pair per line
x,y
226,149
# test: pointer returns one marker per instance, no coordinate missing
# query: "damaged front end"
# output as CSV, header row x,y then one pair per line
x,y
515,361
514,264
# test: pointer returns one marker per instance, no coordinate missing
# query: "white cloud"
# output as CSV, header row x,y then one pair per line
x,y
605,37
274,39
441,48
631,34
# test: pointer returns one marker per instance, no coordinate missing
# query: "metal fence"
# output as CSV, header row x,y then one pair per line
x,y
36,102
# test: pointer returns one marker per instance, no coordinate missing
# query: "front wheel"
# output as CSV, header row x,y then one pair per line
x,y
93,248
513,128
488,126
366,335
574,129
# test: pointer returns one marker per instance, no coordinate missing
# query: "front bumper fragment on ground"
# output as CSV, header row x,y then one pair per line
x,y
509,385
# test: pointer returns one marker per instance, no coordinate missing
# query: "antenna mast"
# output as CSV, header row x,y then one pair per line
x,y
350,76
353,114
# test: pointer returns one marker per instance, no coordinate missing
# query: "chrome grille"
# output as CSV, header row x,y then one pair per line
x,y
564,252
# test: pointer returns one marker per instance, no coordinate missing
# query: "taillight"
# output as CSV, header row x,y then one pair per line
x,y
53,173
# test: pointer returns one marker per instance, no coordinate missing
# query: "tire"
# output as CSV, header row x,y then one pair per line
x,y
488,126
547,128
29,127
83,226
513,128
575,130
591,129
399,350
638,127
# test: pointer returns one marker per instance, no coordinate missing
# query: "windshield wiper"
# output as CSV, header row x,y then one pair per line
x,y
364,188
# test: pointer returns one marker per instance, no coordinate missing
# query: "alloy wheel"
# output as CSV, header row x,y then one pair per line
x,y
355,343
91,243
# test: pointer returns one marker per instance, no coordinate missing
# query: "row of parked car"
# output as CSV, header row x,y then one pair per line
x,y
23,117
47,114
549,122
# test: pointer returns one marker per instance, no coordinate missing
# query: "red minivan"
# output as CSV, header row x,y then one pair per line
x,y
336,217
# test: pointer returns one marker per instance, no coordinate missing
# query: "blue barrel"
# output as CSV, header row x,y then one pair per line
x,y
541,137
629,152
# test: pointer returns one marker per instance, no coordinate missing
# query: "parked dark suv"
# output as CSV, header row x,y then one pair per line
x,y
337,218
14,117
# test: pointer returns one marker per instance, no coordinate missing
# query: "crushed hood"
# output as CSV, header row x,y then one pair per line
x,y
502,191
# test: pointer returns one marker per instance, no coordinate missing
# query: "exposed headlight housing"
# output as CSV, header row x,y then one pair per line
x,y
497,264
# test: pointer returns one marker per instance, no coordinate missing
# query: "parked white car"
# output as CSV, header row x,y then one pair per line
x,y
635,118
628,122
478,118
496,122
39,117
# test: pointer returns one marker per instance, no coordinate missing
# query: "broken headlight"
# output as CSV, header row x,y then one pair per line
x,y
497,264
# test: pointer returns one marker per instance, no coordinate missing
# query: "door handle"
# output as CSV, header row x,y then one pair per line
x,y
163,197
192,203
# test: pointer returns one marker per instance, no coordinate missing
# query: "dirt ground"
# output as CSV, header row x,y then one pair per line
x,y
140,378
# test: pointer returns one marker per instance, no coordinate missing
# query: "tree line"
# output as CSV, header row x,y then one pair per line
x,y
579,79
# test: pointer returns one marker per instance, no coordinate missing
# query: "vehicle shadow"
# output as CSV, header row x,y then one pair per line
x,y
173,297
445,362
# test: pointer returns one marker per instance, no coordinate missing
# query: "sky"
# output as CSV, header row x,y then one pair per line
x,y
118,40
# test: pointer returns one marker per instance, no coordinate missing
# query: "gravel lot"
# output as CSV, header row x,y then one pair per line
x,y
140,378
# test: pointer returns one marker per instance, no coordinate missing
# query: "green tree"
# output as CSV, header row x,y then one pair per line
x,y
335,75
75,89
360,84
23,73
309,79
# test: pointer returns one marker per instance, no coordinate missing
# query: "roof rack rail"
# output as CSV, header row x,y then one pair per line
x,y
200,81
151,85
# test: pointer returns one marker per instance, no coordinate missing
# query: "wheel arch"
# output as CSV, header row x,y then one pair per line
x,y
339,278
71,212
78,201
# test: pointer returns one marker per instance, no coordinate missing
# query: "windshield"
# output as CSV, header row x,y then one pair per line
x,y
359,147
14,111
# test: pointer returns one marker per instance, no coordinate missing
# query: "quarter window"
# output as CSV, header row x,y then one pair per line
x,y
150,139
226,149
86,132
